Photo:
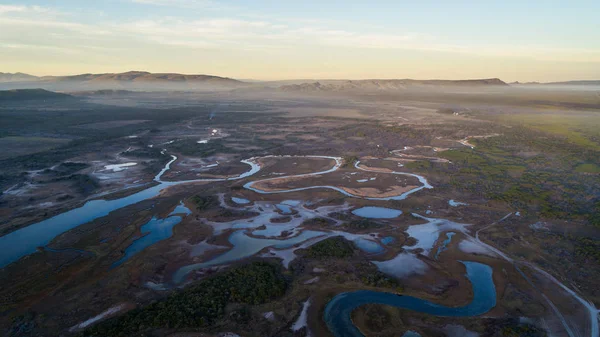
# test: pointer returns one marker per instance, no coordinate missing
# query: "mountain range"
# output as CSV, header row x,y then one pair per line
x,y
386,84
17,77
30,95
142,80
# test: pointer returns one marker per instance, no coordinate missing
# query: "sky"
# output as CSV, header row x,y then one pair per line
x,y
271,40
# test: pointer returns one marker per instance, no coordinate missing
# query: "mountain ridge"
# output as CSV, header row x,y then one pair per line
x,y
134,80
399,84
17,77
31,95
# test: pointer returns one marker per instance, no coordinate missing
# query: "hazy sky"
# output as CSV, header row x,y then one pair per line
x,y
513,40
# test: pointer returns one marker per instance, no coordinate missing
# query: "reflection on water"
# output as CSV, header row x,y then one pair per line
x,y
444,244
244,246
387,240
377,212
369,246
338,310
285,209
25,240
181,209
153,231
240,201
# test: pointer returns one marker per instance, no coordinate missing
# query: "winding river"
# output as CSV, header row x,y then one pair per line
x,y
338,164
338,311
25,241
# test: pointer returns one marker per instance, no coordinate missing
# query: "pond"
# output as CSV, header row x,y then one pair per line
x,y
240,201
388,240
369,246
377,212
153,231
285,209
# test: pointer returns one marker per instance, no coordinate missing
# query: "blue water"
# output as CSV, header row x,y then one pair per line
x,y
181,209
240,201
25,240
444,244
369,246
377,212
244,246
388,240
411,333
153,231
338,310
285,209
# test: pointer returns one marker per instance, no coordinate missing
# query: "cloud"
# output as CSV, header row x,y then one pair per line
x,y
23,9
196,4
28,25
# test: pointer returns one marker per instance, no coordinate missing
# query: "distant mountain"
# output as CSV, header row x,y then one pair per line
x,y
143,76
524,83
30,95
17,77
132,80
387,84
590,82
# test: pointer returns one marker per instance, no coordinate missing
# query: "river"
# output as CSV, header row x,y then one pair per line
x,y
338,310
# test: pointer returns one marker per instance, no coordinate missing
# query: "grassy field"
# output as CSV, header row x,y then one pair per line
x,y
19,146
583,130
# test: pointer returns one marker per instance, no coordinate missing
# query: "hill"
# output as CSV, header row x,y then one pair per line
x,y
132,80
589,82
17,77
349,85
142,76
30,95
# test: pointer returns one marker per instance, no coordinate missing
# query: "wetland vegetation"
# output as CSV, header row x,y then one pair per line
x,y
530,186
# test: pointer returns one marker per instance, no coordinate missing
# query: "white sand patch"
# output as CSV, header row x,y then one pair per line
x,y
455,330
470,247
156,286
302,320
20,189
288,255
454,203
97,318
403,265
540,225
118,167
202,247
427,234
312,280
270,316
